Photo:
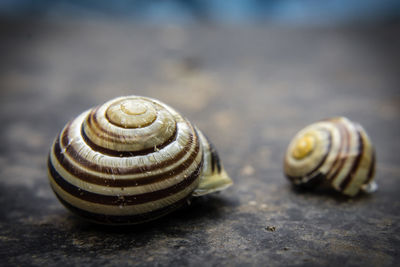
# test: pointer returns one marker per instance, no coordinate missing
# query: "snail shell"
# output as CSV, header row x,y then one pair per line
x,y
131,160
335,153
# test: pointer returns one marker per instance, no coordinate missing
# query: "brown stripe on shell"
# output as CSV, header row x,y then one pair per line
x,y
79,160
356,163
122,200
312,172
215,161
87,177
371,171
340,159
123,219
95,121
116,153
123,182
92,123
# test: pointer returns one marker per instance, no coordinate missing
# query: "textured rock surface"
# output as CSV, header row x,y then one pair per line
x,y
250,89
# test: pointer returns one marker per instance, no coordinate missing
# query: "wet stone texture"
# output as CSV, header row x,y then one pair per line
x,y
250,89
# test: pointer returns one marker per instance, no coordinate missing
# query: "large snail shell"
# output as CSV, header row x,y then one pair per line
x,y
131,160
335,153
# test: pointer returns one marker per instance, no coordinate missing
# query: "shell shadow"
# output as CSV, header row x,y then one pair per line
x,y
329,193
197,212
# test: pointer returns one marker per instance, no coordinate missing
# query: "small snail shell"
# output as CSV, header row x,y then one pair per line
x,y
131,160
335,153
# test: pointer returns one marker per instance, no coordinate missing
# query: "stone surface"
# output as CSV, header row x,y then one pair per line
x,y
250,89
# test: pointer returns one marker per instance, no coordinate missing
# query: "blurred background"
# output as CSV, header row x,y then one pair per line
x,y
250,74
252,56
305,12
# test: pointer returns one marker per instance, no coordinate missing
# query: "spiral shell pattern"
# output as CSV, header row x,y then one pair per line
x,y
335,153
130,160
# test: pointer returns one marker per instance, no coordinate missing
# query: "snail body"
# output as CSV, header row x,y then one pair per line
x,y
132,160
335,153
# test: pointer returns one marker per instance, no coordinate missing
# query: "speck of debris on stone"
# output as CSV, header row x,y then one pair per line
x,y
270,228
285,248
252,203
247,170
